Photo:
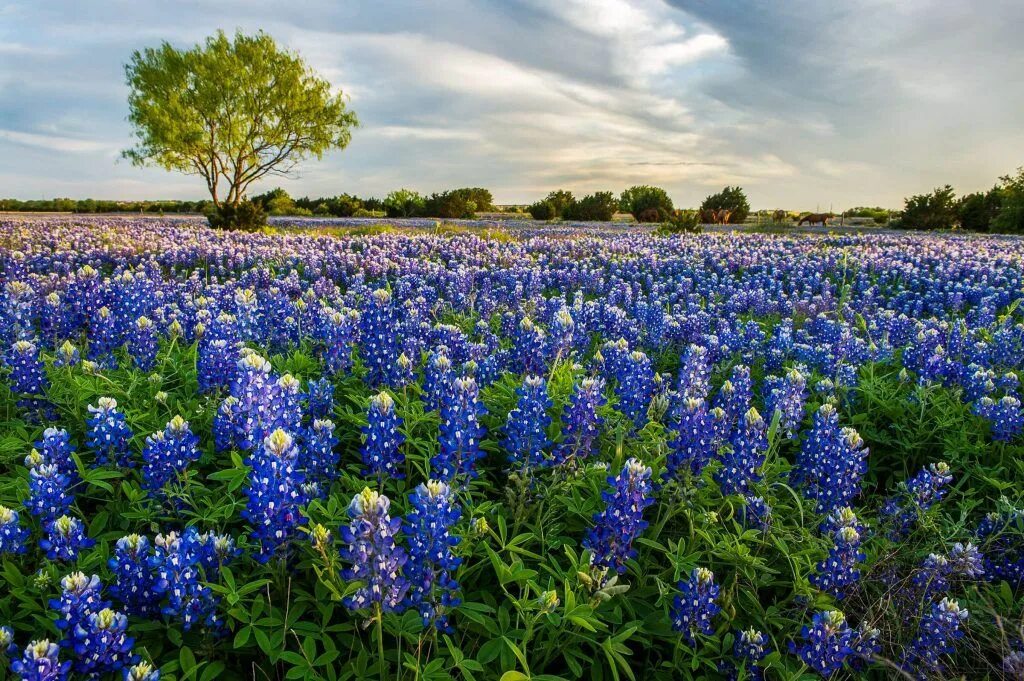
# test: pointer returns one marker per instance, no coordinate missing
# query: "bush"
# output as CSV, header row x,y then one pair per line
x,y
937,210
976,211
646,203
404,203
1009,217
732,199
247,215
596,207
681,222
543,210
458,203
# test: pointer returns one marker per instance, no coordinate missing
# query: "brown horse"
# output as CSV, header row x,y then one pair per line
x,y
715,216
816,218
780,216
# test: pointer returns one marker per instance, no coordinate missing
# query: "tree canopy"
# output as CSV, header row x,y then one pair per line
x,y
231,111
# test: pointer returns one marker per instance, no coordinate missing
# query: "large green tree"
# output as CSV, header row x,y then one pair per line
x,y
231,111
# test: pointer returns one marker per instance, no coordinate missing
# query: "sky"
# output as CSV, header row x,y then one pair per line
x,y
806,104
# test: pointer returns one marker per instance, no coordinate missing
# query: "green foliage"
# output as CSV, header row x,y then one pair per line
x,y
596,207
543,210
732,199
245,215
554,205
646,203
231,111
681,222
458,203
878,215
1010,216
936,210
404,203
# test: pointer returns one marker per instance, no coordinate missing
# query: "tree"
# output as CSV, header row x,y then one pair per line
x,y
552,206
936,210
458,203
232,112
542,210
732,199
599,207
1009,218
403,203
646,203
977,211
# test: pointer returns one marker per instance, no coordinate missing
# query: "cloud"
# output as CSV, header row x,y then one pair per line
x,y
54,142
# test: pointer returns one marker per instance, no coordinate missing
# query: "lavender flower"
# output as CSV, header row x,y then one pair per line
x,y
374,558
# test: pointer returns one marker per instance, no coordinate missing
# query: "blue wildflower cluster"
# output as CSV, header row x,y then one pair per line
x,y
694,444
167,454
12,535
382,440
460,434
621,521
827,643
27,374
744,456
831,463
581,423
526,438
937,633
275,495
109,434
695,606
839,570
431,561
372,555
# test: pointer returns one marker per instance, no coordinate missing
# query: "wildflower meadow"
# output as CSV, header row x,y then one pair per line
x,y
523,453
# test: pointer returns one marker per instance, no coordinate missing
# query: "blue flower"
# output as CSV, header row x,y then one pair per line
x,y
12,535
176,563
65,537
839,570
460,433
134,580
827,643
142,344
831,462
580,422
143,671
635,387
936,637
756,513
49,495
750,648
334,337
742,460
381,453
80,597
101,643
621,521
431,561
41,662
27,372
694,373
526,437
694,443
374,559
320,399
275,494
109,434
379,347
695,606
167,454
787,395
437,380
319,456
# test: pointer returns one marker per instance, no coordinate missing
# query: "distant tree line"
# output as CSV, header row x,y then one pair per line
x,y
1000,210
101,206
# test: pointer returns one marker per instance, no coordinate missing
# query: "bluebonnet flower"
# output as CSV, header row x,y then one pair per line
x,y
167,454
865,647
49,494
133,575
562,327
12,535
460,433
694,373
80,597
320,399
372,554
56,449
933,575
695,606
41,662
212,551
431,562
635,387
257,406
580,422
1002,536
787,395
101,643
176,563
437,380
526,437
750,648
104,336
142,345
379,346
529,347
67,355
382,456
936,637
735,396
7,645
839,570
828,643
275,494
109,434
831,462
319,456
404,371
621,521
143,671
65,536
217,354
742,460
756,513
919,494
335,335
1005,415
694,443
27,372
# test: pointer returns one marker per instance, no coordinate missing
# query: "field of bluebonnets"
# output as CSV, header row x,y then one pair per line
x,y
445,453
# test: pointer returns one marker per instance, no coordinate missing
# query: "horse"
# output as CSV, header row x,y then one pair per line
x,y
715,216
780,216
816,218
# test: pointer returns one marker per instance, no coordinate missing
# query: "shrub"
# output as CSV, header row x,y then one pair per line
x,y
681,222
1009,218
458,203
247,215
732,199
404,203
542,210
596,207
646,203
937,210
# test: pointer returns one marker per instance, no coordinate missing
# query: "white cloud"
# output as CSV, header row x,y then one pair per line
x,y
54,142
